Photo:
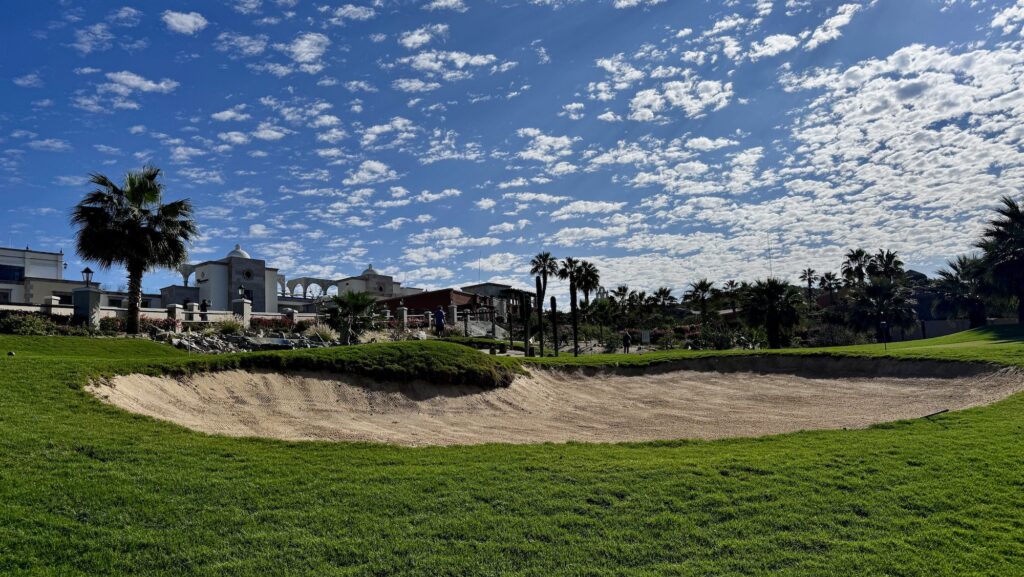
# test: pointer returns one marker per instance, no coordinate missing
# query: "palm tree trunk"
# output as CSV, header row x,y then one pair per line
x,y
575,322
135,271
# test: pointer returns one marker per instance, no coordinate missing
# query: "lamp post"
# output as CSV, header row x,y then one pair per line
x,y
87,276
885,335
241,292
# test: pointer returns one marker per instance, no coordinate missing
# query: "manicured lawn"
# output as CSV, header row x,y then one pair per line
x,y
87,489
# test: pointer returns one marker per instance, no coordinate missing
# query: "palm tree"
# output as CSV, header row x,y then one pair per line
x,y
663,295
352,314
885,264
570,270
545,265
700,294
774,305
855,266
963,287
730,289
619,295
1002,243
588,280
830,282
882,301
809,276
129,226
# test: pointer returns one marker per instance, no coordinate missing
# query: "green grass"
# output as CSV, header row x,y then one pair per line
x,y
87,489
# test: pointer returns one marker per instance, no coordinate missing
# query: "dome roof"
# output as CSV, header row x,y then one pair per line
x,y
238,253
370,271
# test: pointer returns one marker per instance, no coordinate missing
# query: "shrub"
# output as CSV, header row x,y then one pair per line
x,y
27,324
323,332
112,325
302,326
282,324
230,327
153,325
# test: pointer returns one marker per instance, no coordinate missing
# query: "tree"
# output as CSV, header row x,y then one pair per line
x,y
882,301
570,270
1002,245
962,289
830,283
588,280
699,295
855,267
545,265
130,226
774,305
663,295
731,292
809,276
352,314
886,264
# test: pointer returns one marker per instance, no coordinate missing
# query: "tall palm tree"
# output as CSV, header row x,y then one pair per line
x,y
809,276
774,305
730,290
830,283
545,265
664,297
886,264
588,280
882,301
699,295
130,226
963,287
569,270
619,295
855,267
1002,244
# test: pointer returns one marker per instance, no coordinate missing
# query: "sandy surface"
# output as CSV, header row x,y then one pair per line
x,y
546,406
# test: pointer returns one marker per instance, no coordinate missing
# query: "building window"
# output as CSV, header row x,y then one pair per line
x,y
5,297
10,273
116,303
146,303
65,298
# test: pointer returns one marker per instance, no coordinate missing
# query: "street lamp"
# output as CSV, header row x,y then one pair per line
x,y
241,291
885,335
87,276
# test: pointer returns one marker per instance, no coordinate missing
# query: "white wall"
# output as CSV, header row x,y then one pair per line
x,y
271,290
36,264
214,287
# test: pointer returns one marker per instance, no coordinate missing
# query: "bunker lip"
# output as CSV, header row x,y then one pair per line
x,y
558,406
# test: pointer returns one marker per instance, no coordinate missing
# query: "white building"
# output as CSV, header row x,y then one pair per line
x,y
218,283
18,268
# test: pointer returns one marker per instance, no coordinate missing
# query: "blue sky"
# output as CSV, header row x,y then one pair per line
x,y
446,140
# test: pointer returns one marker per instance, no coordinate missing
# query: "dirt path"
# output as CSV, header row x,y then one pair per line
x,y
546,406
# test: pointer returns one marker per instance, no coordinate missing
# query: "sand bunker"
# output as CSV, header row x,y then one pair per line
x,y
546,406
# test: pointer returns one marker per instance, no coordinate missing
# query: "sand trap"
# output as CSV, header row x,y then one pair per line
x,y
546,406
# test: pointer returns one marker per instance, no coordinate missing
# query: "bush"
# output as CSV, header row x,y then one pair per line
x,y
153,325
112,325
27,324
323,332
230,327
282,324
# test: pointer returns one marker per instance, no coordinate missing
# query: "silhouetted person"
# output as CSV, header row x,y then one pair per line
x,y
203,307
626,341
439,320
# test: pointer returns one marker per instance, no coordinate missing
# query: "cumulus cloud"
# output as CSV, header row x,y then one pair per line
x,y
772,45
693,96
306,50
421,36
184,22
130,81
414,85
240,45
369,172
454,5
579,208
234,113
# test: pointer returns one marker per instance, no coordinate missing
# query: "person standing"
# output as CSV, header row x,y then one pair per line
x,y
203,307
626,341
439,320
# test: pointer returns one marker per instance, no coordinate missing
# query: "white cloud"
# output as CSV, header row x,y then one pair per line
x,y
131,81
306,50
427,196
401,129
573,110
485,203
338,16
705,144
270,131
184,22
125,16
580,208
236,138
422,36
772,45
635,3
239,45
233,113
32,80
830,29
1009,18
50,145
414,85
95,38
360,86
695,98
369,172
455,5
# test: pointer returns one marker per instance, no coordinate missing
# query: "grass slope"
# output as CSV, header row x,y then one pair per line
x,y
87,489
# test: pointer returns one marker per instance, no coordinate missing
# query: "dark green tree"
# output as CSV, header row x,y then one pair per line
x,y
775,306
